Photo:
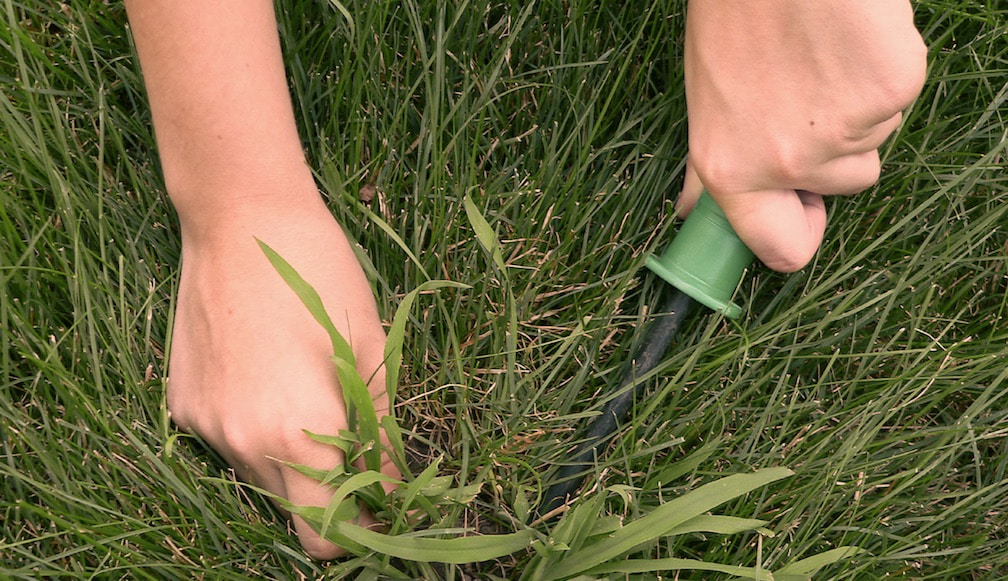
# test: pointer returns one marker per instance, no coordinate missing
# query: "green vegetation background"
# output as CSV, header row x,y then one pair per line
x,y
877,373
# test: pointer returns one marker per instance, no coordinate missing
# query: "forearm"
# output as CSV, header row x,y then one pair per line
x,y
220,104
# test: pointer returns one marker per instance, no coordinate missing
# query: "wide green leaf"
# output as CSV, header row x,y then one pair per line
x,y
484,233
356,392
668,565
806,568
413,547
345,489
311,299
717,524
663,520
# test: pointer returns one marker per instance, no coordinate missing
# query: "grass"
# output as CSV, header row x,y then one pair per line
x,y
877,374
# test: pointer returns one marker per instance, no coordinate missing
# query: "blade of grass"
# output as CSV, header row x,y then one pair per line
x,y
354,388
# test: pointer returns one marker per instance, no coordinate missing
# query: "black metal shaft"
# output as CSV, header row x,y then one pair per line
x,y
674,308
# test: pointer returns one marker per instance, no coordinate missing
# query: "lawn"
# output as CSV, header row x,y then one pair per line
x,y
877,374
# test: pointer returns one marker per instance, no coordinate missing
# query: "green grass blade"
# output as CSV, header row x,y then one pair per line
x,y
397,448
806,568
485,234
394,236
411,490
345,13
311,300
397,332
577,523
669,565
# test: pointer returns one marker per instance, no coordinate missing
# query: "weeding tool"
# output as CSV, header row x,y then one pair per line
x,y
703,264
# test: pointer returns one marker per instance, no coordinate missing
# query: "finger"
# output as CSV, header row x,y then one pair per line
x,y
783,228
305,491
874,135
256,469
845,175
371,366
849,167
691,190
262,473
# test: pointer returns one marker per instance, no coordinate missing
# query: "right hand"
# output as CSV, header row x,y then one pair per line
x,y
789,101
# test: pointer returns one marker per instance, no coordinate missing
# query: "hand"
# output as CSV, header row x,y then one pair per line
x,y
250,368
789,101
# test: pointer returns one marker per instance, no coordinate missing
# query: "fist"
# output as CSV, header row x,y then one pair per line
x,y
788,102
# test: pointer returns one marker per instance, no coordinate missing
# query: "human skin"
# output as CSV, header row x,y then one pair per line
x,y
789,101
249,368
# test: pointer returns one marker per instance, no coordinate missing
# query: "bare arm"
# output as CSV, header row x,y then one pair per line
x,y
219,99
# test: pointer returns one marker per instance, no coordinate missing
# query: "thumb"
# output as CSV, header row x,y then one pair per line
x,y
691,190
783,228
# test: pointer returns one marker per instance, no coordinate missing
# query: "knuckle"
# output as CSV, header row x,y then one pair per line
x,y
253,438
718,173
904,82
241,441
787,165
288,442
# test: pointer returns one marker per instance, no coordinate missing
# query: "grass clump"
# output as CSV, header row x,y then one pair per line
x,y
528,153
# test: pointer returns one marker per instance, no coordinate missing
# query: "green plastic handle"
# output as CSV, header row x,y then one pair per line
x,y
706,259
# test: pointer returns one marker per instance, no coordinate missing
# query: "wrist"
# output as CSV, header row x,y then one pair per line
x,y
211,208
